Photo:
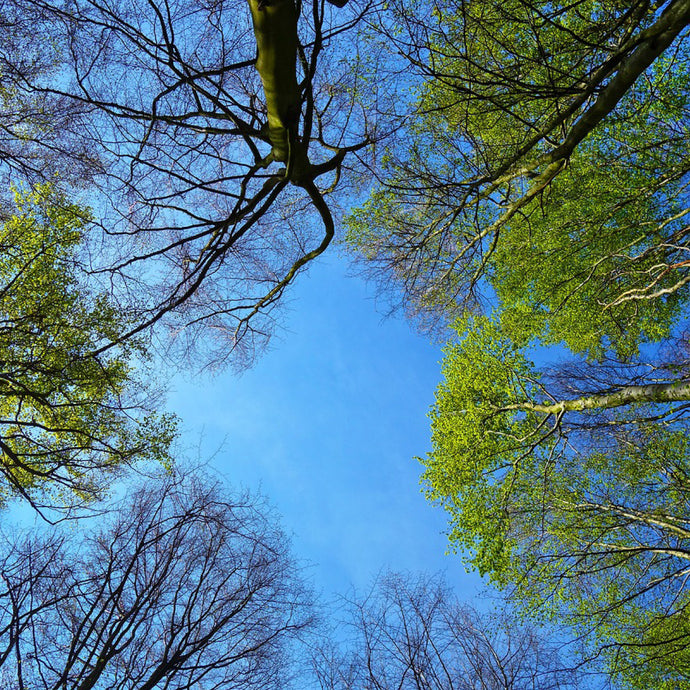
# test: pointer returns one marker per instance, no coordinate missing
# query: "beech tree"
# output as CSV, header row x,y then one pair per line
x,y
218,133
70,419
577,504
547,158
543,177
181,586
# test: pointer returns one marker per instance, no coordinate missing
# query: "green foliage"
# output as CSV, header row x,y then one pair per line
x,y
480,451
68,416
596,261
545,172
606,545
590,253
585,517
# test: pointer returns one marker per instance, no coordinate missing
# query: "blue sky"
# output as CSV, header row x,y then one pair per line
x,y
326,424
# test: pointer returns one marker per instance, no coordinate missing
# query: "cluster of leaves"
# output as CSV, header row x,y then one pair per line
x,y
602,254
584,513
528,172
477,443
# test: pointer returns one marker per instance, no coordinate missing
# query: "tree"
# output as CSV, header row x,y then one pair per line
x,y
179,586
578,504
413,634
545,179
218,130
546,159
69,418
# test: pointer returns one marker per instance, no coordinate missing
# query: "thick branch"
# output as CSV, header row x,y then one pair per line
x,y
678,391
653,42
275,29
276,292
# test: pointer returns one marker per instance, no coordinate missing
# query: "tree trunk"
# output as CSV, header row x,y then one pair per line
x,y
275,29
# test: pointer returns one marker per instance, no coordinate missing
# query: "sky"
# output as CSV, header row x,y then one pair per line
x,y
327,424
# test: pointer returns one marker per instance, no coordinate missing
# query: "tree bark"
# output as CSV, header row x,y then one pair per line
x,y
678,391
275,29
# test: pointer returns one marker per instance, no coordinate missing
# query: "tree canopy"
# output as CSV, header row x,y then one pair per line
x,y
180,584
542,180
216,135
68,417
538,180
547,162
411,633
579,505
